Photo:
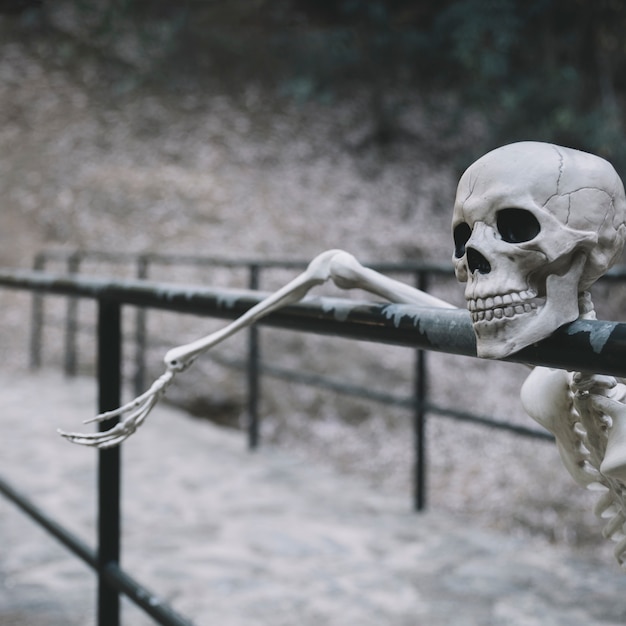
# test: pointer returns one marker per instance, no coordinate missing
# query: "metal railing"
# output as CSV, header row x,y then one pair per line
x,y
573,347
417,402
141,265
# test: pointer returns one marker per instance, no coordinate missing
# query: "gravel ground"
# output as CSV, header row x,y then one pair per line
x,y
272,538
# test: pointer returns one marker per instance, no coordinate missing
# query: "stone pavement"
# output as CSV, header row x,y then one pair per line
x,y
231,538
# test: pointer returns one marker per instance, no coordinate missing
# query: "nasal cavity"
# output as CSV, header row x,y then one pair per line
x,y
477,262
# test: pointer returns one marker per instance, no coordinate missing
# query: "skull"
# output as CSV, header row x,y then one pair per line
x,y
534,226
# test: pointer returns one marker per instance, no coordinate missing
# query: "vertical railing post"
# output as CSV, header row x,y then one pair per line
x,y
109,397
419,415
139,381
71,321
252,370
36,324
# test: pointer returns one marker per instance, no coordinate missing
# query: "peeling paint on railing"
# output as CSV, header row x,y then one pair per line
x,y
599,333
584,345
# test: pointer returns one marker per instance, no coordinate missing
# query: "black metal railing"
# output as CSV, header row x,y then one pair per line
x,y
418,401
573,347
141,266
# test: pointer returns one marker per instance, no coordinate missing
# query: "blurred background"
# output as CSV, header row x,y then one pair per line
x,y
284,112
281,128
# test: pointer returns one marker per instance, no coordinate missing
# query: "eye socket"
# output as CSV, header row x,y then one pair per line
x,y
462,233
517,225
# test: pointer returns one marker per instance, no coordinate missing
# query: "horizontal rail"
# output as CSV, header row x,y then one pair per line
x,y
154,258
114,575
472,418
584,345
366,393
79,548
615,274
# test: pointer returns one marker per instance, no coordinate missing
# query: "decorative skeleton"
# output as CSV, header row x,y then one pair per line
x,y
534,226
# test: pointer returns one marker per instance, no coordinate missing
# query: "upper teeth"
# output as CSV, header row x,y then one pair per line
x,y
499,306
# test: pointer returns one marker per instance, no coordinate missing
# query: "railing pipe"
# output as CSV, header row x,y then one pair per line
x,y
253,369
71,319
584,345
139,379
75,545
115,576
419,416
366,393
37,313
150,603
109,388
106,256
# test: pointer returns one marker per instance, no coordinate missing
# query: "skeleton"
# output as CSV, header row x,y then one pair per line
x,y
534,226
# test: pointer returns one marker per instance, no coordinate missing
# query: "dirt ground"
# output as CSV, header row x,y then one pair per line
x,y
271,538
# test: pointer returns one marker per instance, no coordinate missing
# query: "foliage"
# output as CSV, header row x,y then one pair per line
x,y
543,69
548,69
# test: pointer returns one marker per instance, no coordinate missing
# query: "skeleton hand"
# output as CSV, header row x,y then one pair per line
x,y
336,265
133,415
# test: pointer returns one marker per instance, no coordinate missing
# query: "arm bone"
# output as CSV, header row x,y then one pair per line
x,y
336,265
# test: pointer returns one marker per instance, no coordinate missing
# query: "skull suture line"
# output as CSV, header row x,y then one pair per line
x,y
534,226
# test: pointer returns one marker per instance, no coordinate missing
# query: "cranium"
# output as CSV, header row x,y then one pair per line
x,y
534,226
